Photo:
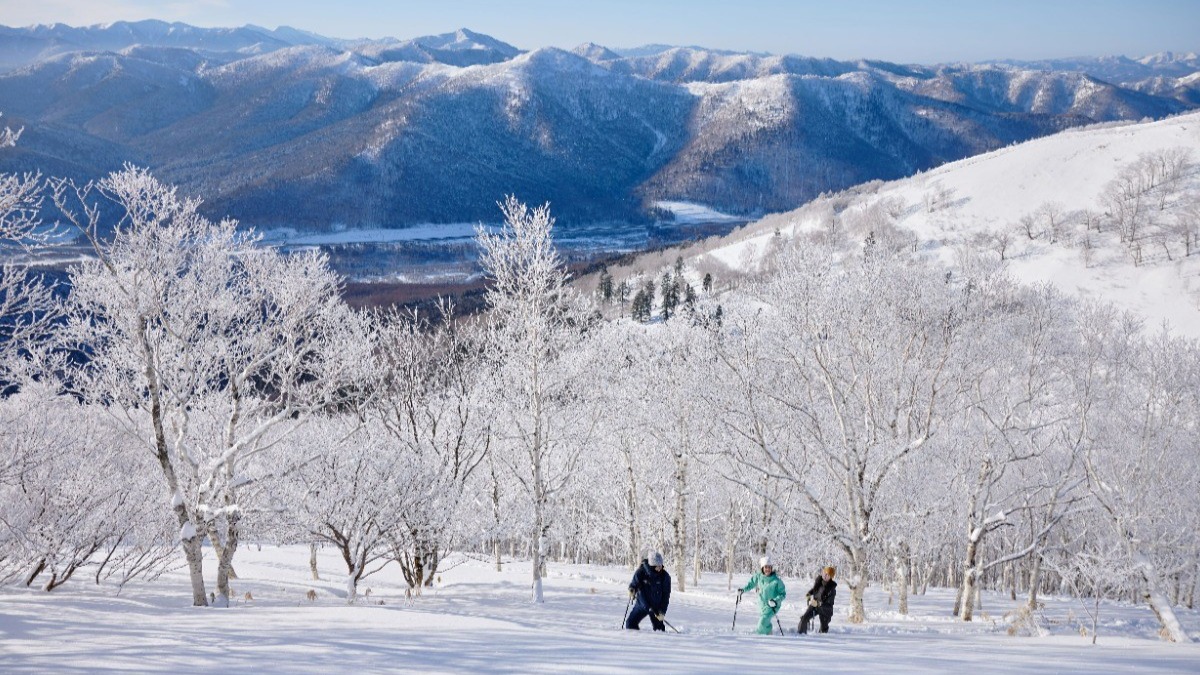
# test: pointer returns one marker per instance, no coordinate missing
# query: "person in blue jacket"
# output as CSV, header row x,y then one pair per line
x,y
651,586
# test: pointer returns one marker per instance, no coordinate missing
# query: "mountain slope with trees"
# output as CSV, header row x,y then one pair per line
x,y
287,128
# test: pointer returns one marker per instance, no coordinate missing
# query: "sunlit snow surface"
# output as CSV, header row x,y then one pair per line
x,y
477,620
688,213
991,193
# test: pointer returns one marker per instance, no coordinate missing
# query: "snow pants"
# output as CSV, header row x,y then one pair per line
x,y
764,621
640,612
825,612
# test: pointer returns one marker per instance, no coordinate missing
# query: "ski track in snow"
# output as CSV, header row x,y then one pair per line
x,y
478,620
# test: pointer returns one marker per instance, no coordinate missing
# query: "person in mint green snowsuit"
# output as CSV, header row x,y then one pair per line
x,y
770,594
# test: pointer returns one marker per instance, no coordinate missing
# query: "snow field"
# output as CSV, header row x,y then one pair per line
x,y
479,620
990,193
689,213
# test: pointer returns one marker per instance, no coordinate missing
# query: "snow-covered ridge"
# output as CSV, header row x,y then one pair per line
x,y
976,205
249,117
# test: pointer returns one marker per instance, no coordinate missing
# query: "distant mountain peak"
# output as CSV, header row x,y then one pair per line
x,y
468,35
391,130
464,39
1161,58
555,59
143,23
594,52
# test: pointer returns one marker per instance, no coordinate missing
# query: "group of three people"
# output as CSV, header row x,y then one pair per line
x,y
650,593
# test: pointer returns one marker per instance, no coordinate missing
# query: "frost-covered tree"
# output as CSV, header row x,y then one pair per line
x,y
1142,190
202,346
1011,452
846,372
1053,216
533,324
670,421
431,404
619,504
26,303
353,492
56,515
1141,439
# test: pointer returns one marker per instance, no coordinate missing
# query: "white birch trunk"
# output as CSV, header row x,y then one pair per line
x,y
902,581
352,584
730,549
194,555
631,512
225,552
538,552
696,549
679,521
539,517
189,537
858,584
1035,580
970,580
1157,601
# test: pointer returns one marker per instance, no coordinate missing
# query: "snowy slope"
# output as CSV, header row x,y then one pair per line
x,y
989,194
477,620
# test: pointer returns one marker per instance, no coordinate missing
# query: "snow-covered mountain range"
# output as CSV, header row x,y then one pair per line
x,y
285,127
1054,210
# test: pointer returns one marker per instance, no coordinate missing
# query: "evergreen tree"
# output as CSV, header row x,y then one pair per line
x,y
640,310
646,309
605,287
670,295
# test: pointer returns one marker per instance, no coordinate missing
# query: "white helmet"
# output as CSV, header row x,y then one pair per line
x,y
765,561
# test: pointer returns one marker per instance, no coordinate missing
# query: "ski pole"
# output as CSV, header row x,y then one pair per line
x,y
668,624
627,606
735,606
777,623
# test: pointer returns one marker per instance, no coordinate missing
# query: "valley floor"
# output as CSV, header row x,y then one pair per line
x,y
479,620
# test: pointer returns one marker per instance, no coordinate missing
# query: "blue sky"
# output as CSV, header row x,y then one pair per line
x,y
911,31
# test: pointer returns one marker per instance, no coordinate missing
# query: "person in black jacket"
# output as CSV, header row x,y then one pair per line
x,y
651,585
820,601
